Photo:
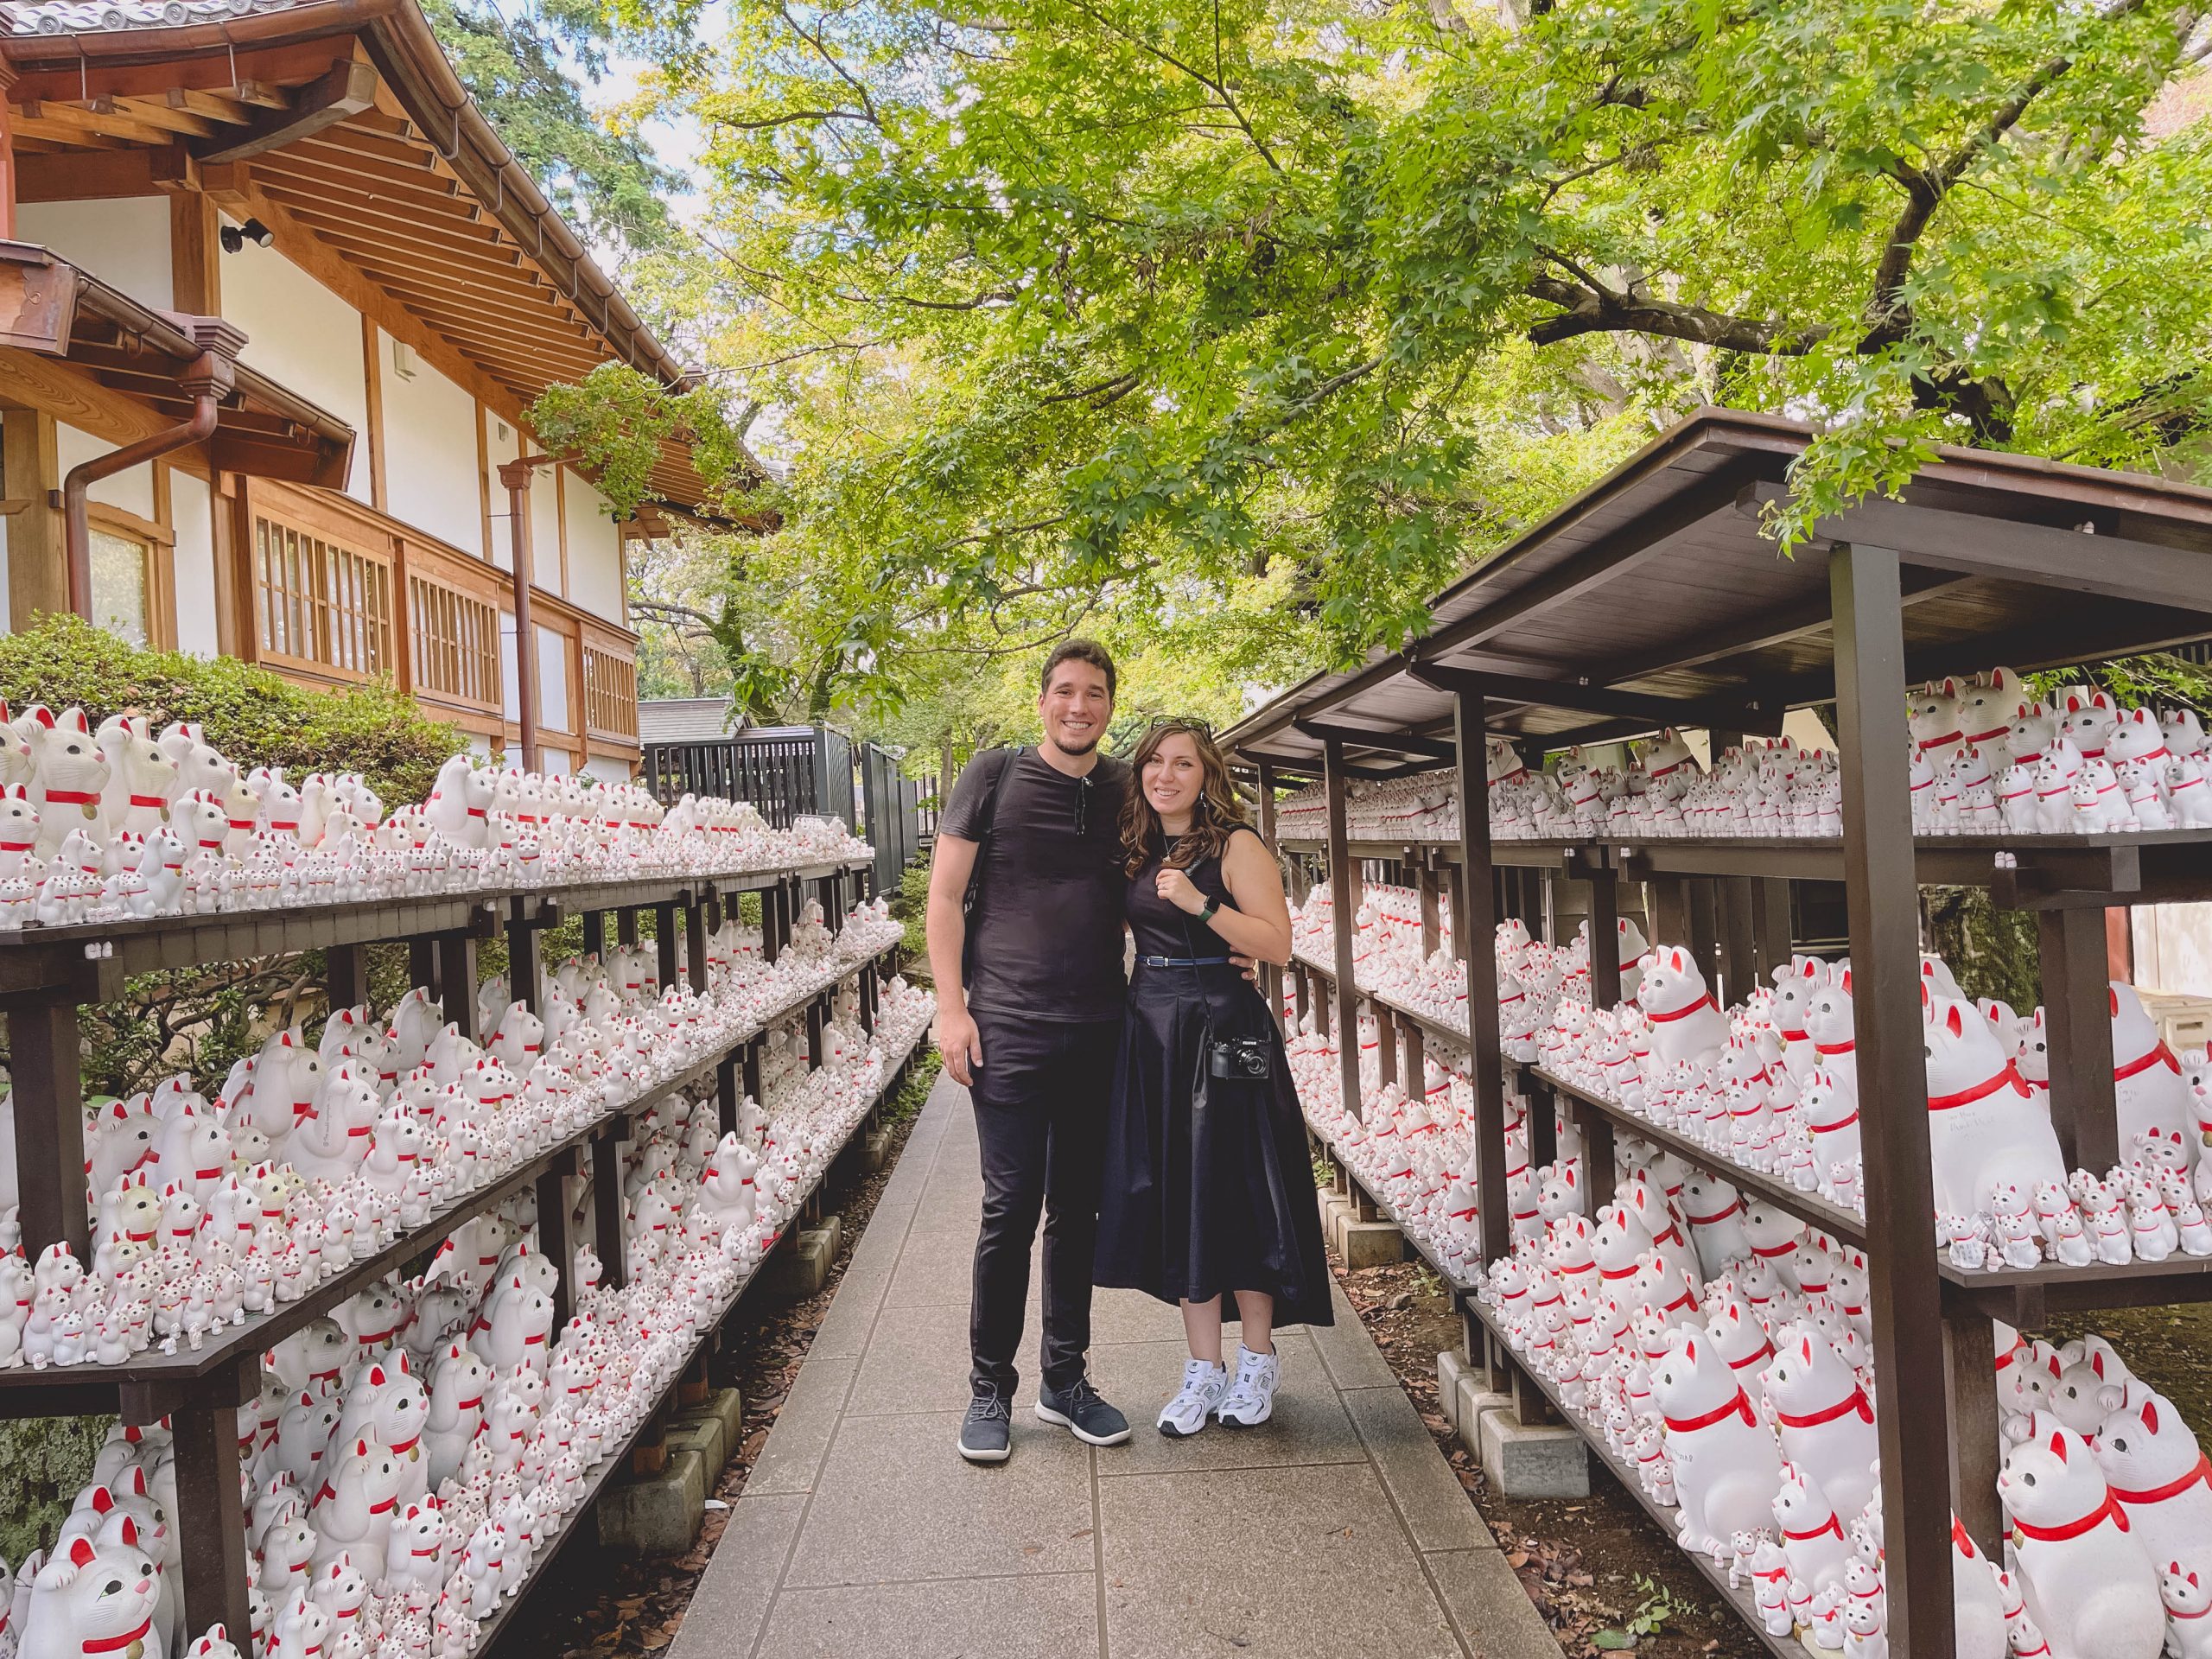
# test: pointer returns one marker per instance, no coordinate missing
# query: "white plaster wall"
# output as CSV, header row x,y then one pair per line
x,y
304,337
608,768
546,531
552,679
132,489
595,552
430,467
191,507
553,763
496,450
124,243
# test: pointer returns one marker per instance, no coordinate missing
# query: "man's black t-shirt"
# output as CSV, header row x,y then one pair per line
x,y
1046,934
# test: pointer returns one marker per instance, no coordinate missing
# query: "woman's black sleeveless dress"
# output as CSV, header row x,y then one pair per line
x,y
1209,1185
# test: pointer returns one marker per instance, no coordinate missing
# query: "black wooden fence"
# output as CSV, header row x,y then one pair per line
x,y
790,772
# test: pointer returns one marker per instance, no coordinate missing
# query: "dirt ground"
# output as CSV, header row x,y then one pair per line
x,y
599,1603
1596,1567
2164,1346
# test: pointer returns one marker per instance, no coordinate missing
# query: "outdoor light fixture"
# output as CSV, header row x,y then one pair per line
x,y
237,235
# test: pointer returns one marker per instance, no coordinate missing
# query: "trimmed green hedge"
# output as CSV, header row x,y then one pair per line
x,y
250,715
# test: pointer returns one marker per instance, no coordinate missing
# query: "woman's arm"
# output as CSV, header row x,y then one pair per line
x,y
1260,925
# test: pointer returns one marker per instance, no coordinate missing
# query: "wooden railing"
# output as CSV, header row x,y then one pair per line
x,y
610,694
323,586
343,594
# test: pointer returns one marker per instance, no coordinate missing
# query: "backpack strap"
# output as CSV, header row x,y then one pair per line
x,y
973,897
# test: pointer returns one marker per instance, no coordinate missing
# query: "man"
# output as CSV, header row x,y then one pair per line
x,y
1027,962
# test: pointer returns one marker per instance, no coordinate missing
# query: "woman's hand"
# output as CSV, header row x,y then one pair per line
x,y
1177,889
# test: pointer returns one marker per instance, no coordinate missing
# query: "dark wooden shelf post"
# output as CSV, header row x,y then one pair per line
x,y
1270,976
595,933
609,1212
345,982
211,1535
1475,926
2077,1011
1343,896
45,1057
553,1232
1884,903
457,982
525,960
665,941
695,944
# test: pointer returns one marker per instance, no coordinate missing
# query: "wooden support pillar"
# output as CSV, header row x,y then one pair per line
x,y
38,561
749,1065
345,976
608,1209
725,1096
1386,1049
525,961
1543,1126
457,981
1415,1042
212,1539
665,941
1905,1299
1970,1366
1270,976
1670,910
595,933
1739,946
1300,984
1605,935
814,1024
1344,897
695,944
1600,1170
1432,908
1475,927
625,926
45,1059
1704,925
1454,881
423,965
2077,1009
1770,905
553,1233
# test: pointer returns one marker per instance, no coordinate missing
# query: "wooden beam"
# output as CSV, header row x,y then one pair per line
x,y
55,132
2118,567
1388,743
161,114
103,175
1761,715
195,254
346,88
406,197
38,571
215,106
373,378
85,119
235,631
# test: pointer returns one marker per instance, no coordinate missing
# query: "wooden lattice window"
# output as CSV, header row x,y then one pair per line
x,y
610,693
324,605
457,640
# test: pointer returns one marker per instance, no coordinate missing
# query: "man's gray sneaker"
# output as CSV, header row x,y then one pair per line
x,y
985,1435
1078,1409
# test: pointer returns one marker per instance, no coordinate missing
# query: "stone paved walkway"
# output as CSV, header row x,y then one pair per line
x,y
1335,1530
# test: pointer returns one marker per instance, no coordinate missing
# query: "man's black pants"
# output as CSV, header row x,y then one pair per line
x,y
1041,1098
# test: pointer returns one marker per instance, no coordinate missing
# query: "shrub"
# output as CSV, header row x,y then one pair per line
x,y
248,713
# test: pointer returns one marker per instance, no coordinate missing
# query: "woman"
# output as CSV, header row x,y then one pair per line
x,y
1207,1183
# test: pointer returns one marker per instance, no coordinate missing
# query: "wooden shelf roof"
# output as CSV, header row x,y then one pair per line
x,y
1652,598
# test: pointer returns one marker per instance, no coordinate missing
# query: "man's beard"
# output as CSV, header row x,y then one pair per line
x,y
1066,747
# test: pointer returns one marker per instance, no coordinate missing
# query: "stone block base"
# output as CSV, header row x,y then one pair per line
x,y
874,1149
655,1514
804,1268
1540,1462
1369,1243
712,1429
1450,1368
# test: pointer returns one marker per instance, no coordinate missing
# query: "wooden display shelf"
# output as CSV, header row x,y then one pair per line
x,y
2044,872
92,958
71,1390
597,1478
1434,1262
1668,1520
1809,1207
1430,1025
2024,1296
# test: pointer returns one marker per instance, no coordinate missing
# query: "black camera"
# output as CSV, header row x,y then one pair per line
x,y
1240,1059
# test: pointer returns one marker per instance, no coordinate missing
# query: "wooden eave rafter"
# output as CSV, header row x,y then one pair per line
x,y
345,117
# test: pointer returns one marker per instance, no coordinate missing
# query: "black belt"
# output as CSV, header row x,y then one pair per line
x,y
1183,962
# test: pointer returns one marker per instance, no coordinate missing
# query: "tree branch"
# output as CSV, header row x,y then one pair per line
x,y
1596,311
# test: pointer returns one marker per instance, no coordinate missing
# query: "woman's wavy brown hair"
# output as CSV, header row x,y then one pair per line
x,y
1218,814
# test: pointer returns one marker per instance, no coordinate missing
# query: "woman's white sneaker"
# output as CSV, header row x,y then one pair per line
x,y
1251,1401
1204,1384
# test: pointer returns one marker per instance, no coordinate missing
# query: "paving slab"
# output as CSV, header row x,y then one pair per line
x,y
1294,1563
1032,1616
895,1501
1335,1529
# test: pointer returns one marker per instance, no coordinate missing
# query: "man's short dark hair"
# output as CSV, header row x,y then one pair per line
x,y
1078,650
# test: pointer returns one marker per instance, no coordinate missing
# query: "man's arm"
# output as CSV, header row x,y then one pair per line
x,y
950,865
